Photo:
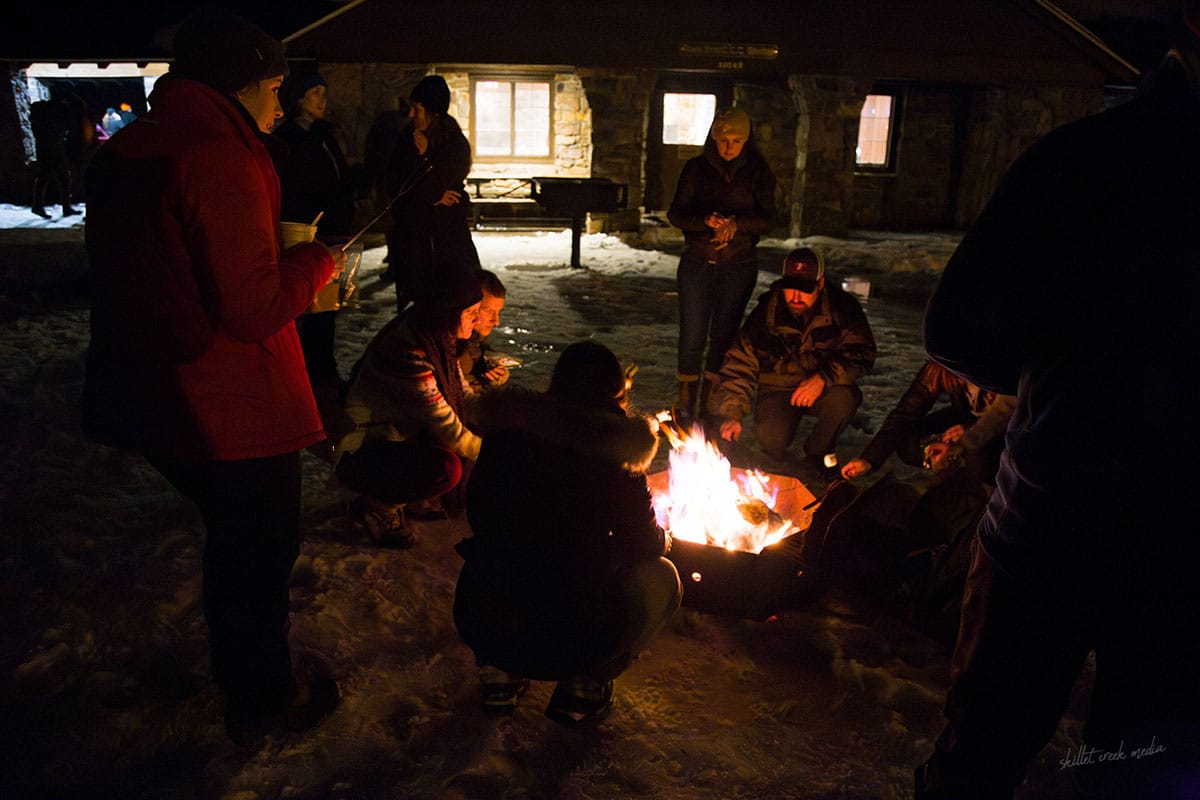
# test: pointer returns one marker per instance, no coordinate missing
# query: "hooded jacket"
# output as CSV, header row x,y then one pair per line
x,y
1093,224
193,352
558,506
743,187
775,352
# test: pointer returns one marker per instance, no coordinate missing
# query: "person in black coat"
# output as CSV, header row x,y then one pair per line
x,y
564,576
1076,291
51,124
314,179
433,214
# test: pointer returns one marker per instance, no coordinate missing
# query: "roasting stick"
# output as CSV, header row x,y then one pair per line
x,y
408,185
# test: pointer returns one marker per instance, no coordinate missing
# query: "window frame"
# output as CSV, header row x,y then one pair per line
x,y
893,138
512,79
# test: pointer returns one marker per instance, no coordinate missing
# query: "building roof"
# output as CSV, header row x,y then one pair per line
x,y
1014,42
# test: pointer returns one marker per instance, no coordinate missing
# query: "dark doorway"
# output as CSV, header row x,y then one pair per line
x,y
666,151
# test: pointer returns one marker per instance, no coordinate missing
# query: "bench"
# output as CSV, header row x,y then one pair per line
x,y
507,203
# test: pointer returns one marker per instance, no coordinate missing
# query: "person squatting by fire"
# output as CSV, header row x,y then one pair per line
x,y
800,352
564,577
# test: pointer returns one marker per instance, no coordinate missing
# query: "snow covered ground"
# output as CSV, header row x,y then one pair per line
x,y
104,689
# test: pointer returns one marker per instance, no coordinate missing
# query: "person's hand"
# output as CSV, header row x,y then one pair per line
x,y
339,263
731,430
714,220
856,467
449,198
809,390
939,455
421,140
725,231
953,433
496,375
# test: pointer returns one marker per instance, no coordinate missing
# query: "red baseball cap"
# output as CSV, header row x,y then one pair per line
x,y
803,269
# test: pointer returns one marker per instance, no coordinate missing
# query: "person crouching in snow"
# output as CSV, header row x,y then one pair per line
x,y
406,401
564,576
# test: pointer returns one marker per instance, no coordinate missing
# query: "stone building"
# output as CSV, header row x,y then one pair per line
x,y
965,85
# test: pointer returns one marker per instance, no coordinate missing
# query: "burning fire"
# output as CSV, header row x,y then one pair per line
x,y
703,499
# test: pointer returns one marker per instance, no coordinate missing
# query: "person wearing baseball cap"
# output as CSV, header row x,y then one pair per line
x,y
800,353
194,359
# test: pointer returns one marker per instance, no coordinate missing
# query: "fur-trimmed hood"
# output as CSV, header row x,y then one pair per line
x,y
631,441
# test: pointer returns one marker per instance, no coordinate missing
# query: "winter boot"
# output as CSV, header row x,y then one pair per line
x,y
689,387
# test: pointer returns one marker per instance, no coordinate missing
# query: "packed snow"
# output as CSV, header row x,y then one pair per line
x,y
103,657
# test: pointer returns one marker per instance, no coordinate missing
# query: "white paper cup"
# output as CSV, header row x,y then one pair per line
x,y
294,233
328,297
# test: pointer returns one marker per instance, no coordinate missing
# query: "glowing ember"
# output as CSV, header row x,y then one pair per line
x,y
701,498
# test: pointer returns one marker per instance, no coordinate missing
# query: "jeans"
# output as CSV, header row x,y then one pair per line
x,y
712,299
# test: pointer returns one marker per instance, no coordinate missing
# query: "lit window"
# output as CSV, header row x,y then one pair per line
x,y
687,117
512,119
875,131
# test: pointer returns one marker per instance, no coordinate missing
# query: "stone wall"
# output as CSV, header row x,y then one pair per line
x,y
619,101
1000,125
954,145
775,124
826,136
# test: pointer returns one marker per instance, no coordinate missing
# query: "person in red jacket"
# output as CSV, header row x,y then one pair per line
x,y
194,359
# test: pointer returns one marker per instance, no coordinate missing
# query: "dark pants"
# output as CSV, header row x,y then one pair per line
x,y
401,472
1020,649
776,420
317,334
712,299
251,512
53,172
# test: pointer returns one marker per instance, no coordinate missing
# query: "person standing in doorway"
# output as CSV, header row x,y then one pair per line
x,y
194,360
724,201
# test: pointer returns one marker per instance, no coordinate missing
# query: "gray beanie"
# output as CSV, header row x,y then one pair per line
x,y
216,47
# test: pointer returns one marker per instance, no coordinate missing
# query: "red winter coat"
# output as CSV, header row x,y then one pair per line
x,y
193,352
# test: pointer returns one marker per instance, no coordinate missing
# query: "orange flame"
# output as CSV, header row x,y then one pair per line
x,y
703,499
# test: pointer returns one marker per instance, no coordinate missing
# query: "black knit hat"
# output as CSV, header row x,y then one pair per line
x,y
440,304
219,48
433,93
588,372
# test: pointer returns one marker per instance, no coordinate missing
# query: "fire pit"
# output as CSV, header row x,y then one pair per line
x,y
737,535
575,198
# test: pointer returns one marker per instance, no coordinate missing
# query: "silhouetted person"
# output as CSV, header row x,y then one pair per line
x,y
1076,290
51,124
